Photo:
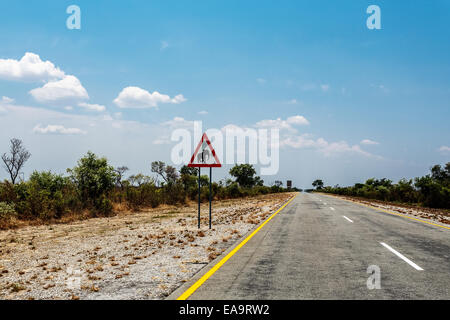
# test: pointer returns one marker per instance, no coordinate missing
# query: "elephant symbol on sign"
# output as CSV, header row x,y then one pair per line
x,y
203,156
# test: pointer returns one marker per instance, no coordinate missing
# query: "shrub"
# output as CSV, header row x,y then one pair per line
x,y
233,190
432,190
92,184
7,210
245,175
145,194
46,194
94,178
173,193
103,205
7,192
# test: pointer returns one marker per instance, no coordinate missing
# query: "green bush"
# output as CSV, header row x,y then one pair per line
x,y
103,205
245,175
173,193
233,190
432,190
7,192
7,210
92,186
147,194
94,178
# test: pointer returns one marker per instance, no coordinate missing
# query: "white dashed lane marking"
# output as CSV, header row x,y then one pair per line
x,y
349,220
398,254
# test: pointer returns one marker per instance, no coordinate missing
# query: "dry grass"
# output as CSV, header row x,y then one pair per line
x,y
110,249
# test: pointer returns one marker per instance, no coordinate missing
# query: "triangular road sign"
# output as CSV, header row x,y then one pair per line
x,y
204,155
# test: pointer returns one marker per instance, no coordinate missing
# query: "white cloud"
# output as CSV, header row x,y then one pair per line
x,y
298,142
444,149
314,87
68,108
135,97
162,140
29,68
57,129
107,117
46,148
380,87
283,124
6,100
117,125
330,148
179,122
323,146
369,142
167,126
164,45
324,87
233,129
261,80
290,138
203,112
293,101
297,120
308,87
68,88
92,107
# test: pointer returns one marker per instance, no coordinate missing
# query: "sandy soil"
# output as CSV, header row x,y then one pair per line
x,y
437,215
144,255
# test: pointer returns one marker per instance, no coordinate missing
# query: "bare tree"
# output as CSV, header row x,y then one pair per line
x,y
14,162
120,172
278,183
171,174
168,173
159,167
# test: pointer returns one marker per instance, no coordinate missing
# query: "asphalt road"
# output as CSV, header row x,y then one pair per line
x,y
320,247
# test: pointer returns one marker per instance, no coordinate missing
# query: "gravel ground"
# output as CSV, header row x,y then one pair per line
x,y
437,215
144,255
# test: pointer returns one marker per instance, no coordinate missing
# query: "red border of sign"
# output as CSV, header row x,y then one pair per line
x,y
213,165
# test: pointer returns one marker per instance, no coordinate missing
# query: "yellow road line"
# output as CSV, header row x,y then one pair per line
x,y
207,275
390,212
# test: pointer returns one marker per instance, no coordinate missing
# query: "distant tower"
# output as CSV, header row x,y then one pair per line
x,y
289,184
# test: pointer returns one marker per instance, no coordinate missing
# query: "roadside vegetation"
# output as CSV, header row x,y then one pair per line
x,y
432,190
95,188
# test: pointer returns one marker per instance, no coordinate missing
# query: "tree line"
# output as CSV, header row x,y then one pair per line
x,y
93,186
431,190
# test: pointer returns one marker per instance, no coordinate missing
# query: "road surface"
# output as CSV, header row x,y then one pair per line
x,y
320,247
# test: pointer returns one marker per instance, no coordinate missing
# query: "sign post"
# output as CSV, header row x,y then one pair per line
x,y
210,194
199,197
205,157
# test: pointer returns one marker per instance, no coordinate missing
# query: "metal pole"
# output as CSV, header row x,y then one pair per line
x,y
210,195
199,197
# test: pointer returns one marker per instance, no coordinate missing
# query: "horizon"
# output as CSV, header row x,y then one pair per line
x,y
350,103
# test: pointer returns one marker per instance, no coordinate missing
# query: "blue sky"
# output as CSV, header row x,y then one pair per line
x,y
242,62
